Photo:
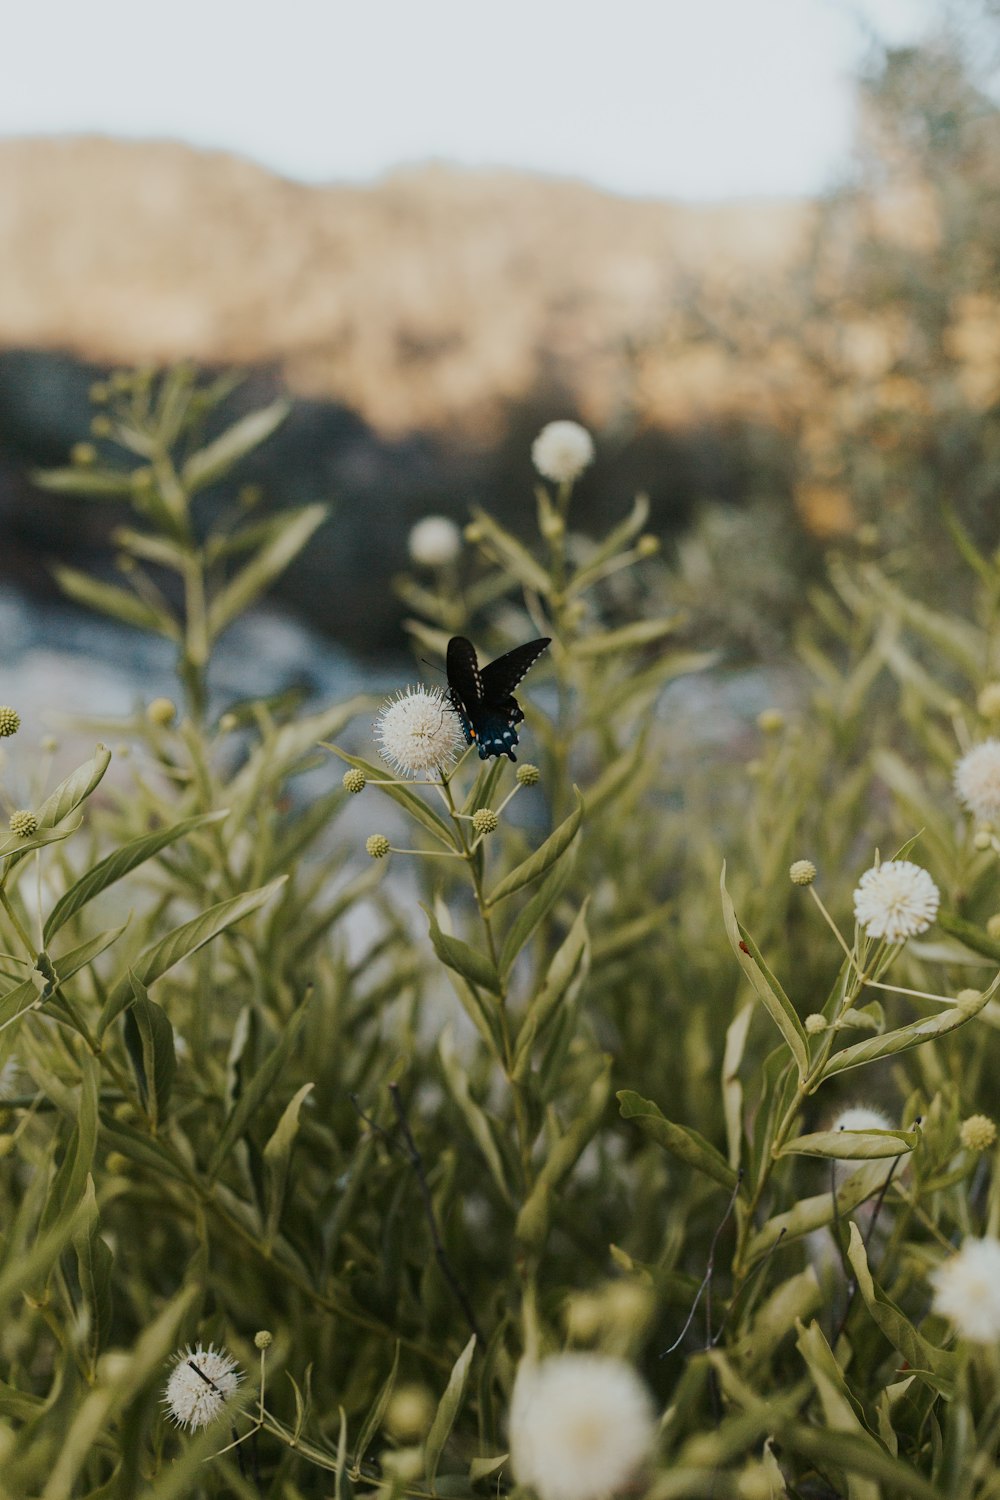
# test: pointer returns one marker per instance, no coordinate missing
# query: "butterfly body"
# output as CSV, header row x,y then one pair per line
x,y
483,698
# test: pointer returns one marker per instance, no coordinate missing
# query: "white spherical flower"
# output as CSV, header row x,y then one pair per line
x,y
201,1383
967,1290
418,731
856,1117
580,1426
562,450
896,900
434,542
977,781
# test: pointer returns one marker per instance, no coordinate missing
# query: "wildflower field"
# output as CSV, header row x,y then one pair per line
x,y
383,1118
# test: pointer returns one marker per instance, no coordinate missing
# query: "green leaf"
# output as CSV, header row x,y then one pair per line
x,y
115,602
546,855
92,484
373,1420
70,1182
218,457
149,1041
94,1262
510,553
457,1079
447,1411
680,1140
905,1037
58,805
181,941
616,541
626,638
852,1145
117,864
566,973
535,911
469,962
776,1002
813,1213
532,1221
856,1454
919,1353
75,959
970,934
405,796
268,564
257,1089
277,1157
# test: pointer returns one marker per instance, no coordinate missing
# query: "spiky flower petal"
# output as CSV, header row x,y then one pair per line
x,y
418,731
201,1383
896,900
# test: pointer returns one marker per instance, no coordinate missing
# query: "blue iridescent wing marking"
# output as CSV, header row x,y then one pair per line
x,y
484,699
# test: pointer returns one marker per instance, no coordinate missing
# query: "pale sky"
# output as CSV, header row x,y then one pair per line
x,y
692,99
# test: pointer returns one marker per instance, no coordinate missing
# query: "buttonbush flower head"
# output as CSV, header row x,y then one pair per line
x,y
770,720
815,1023
896,900
354,780
580,1426
378,845
802,872
418,731
194,1399
10,721
485,820
977,1133
263,1339
861,1117
23,823
434,542
977,780
528,775
967,1290
562,450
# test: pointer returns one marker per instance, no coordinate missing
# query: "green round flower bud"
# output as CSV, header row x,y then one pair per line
x,y
83,455
116,1163
988,701
993,925
99,392
473,532
100,426
815,1023
647,545
263,1340
10,721
49,744
528,775
802,872
982,839
485,820
978,1133
162,712
410,1412
23,823
142,478
121,380
6,1144
355,780
378,845
228,723
770,720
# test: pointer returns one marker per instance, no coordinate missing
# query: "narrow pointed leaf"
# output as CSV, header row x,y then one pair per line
x,y
680,1140
919,1352
465,960
448,1409
218,457
545,856
905,1037
268,564
775,1001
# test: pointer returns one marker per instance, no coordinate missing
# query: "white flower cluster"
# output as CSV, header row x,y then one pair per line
x,y
561,451
581,1425
977,781
418,731
967,1290
201,1383
434,542
896,900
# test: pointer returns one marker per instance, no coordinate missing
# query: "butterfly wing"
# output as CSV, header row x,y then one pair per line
x,y
465,684
484,699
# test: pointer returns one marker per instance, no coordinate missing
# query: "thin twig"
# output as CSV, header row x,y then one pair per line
x,y
706,1279
440,1252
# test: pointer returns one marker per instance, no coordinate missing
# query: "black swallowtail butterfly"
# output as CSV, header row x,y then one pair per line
x,y
484,698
